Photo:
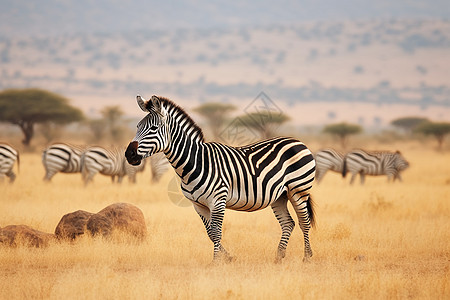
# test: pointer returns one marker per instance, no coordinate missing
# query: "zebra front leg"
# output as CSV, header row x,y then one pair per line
x,y
212,220
353,178
217,214
363,177
287,224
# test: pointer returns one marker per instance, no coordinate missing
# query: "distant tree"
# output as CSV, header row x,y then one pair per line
x,y
342,131
97,128
263,122
438,130
112,116
27,107
216,115
408,124
50,131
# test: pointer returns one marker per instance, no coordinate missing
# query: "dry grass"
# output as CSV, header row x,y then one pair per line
x,y
375,241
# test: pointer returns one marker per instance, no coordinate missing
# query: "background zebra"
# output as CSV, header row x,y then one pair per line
x,y
374,163
110,162
158,166
62,157
328,159
8,156
216,176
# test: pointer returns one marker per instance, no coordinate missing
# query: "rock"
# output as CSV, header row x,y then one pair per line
x,y
15,235
72,225
119,217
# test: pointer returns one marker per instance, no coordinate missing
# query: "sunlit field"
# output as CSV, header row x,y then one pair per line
x,y
377,241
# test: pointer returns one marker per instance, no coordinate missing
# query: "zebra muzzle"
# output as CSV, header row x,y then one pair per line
x,y
131,154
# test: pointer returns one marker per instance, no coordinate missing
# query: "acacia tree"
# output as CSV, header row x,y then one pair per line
x,y
342,131
439,130
216,114
27,107
408,124
112,116
263,122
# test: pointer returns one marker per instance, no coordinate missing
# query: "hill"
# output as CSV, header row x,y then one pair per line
x,y
363,71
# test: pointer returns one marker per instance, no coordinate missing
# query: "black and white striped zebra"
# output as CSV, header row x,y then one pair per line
x,y
328,159
62,157
216,176
8,157
110,162
374,163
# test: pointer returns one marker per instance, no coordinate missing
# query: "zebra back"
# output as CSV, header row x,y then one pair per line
x,y
328,159
63,157
8,156
108,161
374,162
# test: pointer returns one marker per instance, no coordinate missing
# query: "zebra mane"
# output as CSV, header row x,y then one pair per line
x,y
171,106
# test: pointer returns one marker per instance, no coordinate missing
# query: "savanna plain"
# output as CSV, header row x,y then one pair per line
x,y
377,241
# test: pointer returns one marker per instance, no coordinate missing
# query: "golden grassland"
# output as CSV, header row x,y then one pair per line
x,y
377,241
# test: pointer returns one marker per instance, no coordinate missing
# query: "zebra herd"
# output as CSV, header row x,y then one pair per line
x,y
87,160
215,176
360,162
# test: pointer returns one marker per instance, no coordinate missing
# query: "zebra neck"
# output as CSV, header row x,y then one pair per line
x,y
185,153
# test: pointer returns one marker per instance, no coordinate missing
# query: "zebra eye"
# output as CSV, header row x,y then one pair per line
x,y
154,128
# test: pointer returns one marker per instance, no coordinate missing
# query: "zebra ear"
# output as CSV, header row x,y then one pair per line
x,y
156,102
142,104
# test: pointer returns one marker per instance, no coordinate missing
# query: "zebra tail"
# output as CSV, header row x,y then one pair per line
x,y
344,167
312,216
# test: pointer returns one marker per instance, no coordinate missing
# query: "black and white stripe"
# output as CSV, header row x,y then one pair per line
x,y
328,159
8,157
110,162
374,163
62,157
216,176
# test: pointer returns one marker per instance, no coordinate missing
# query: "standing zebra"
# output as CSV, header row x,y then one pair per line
x,y
110,162
328,159
62,157
374,163
8,156
216,176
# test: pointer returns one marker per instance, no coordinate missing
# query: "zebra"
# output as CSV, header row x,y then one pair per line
x,y
328,159
215,176
8,156
374,163
110,162
62,157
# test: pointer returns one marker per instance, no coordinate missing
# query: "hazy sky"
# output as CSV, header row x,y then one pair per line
x,y
48,17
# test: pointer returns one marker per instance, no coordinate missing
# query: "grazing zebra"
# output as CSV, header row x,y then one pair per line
x,y
374,163
8,156
62,157
216,176
328,159
110,162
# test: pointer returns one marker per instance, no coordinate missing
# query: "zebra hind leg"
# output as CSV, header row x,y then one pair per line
x,y
304,209
213,225
287,224
11,176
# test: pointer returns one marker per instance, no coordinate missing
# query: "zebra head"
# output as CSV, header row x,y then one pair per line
x,y
151,136
400,162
